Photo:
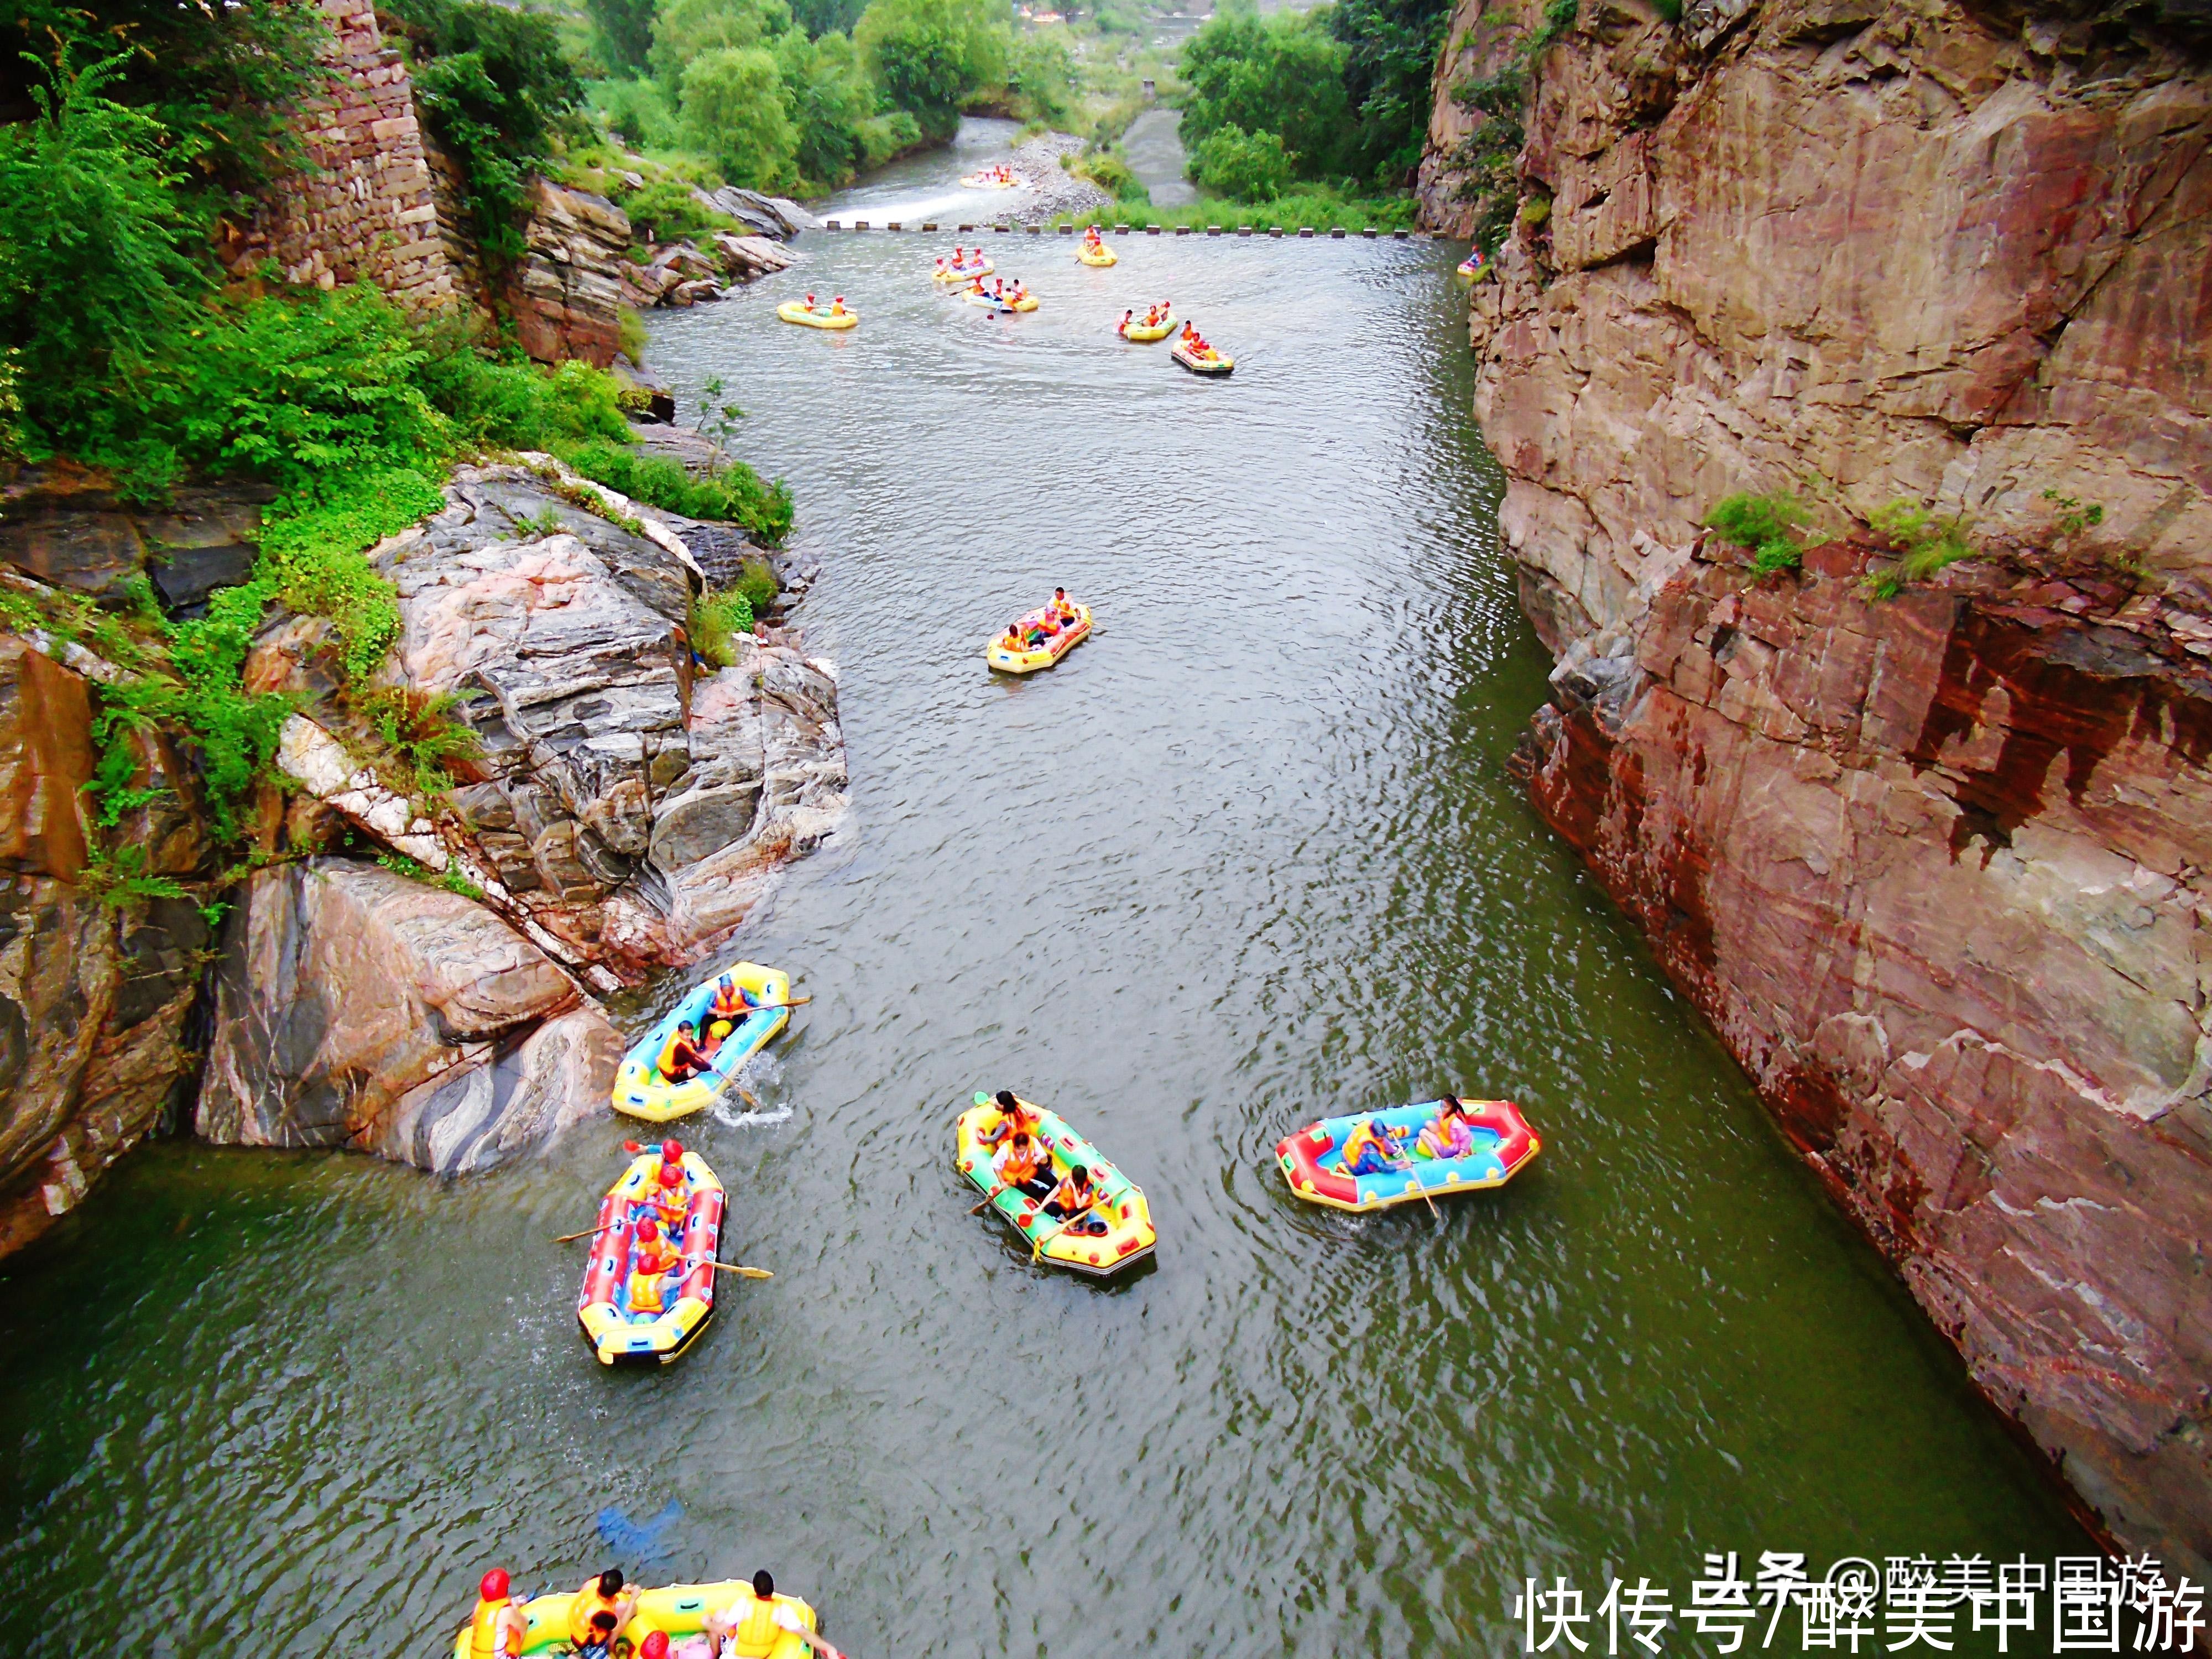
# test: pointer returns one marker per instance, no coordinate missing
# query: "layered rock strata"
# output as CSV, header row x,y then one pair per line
x,y
1932,864
440,1004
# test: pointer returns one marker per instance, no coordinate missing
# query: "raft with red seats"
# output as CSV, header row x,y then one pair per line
x,y
1312,1163
619,1333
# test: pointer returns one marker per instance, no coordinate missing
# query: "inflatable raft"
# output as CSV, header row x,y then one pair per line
x,y
985,181
950,275
1311,1159
1128,1238
1043,656
616,1332
1471,267
676,1611
1158,330
993,302
1101,255
797,311
1212,363
642,1090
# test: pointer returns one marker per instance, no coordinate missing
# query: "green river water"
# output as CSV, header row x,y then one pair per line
x,y
1250,856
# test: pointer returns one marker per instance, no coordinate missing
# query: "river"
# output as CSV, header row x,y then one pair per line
x,y
1249,856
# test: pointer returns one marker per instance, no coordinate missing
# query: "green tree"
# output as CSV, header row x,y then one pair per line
x,y
220,80
831,100
686,30
100,261
829,17
1245,167
928,55
733,111
1390,54
1040,76
1284,74
623,30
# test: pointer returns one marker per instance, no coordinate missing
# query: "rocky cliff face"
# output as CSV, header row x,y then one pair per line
x,y
416,975
1933,863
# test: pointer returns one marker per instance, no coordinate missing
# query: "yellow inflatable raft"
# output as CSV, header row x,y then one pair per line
x,y
797,310
1160,330
676,1611
994,302
952,276
1044,655
1116,1233
1101,255
1212,363
642,1090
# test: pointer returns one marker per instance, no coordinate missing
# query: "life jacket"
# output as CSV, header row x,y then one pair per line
x,y
758,1633
486,1625
1018,1166
1072,1201
588,1601
734,1007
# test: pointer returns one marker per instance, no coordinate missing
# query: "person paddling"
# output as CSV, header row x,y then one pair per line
x,y
751,1624
498,1628
1123,329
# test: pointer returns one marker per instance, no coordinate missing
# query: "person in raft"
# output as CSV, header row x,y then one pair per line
x,y
1012,1115
1090,236
751,1622
732,1003
1062,606
1013,638
1122,327
497,1629
681,1059
651,1262
1022,1164
1076,1196
670,1197
1369,1149
1446,1135
600,1610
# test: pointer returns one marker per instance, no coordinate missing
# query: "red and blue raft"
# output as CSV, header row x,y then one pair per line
x,y
618,1332
1312,1158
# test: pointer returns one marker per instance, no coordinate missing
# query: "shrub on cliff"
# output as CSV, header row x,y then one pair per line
x,y
101,259
1244,167
1765,525
491,83
733,492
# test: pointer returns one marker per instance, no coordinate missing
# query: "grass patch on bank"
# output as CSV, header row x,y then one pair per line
x,y
1320,211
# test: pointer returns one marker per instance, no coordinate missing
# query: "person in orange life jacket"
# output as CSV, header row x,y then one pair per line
x,y
1446,1135
753,1622
668,1199
651,1262
1073,1197
682,1059
837,306
1123,327
1012,1115
1013,638
603,1597
1023,1165
497,1629
1062,606
1372,1148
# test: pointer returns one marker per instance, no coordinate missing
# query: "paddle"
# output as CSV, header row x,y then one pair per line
x,y
742,1273
588,1232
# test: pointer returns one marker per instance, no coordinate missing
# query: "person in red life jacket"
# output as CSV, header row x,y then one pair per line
x,y
1123,328
651,1263
681,1059
497,1629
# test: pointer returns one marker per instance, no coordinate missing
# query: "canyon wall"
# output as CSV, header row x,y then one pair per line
x,y
1932,854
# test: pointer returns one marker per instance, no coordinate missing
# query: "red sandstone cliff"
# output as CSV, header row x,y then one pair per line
x,y
1934,866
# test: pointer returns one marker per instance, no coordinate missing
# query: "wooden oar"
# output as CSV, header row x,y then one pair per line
x,y
977,1209
1036,1246
742,1273
570,1238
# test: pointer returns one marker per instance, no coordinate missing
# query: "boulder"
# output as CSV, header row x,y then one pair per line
x,y
346,990
567,290
747,257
